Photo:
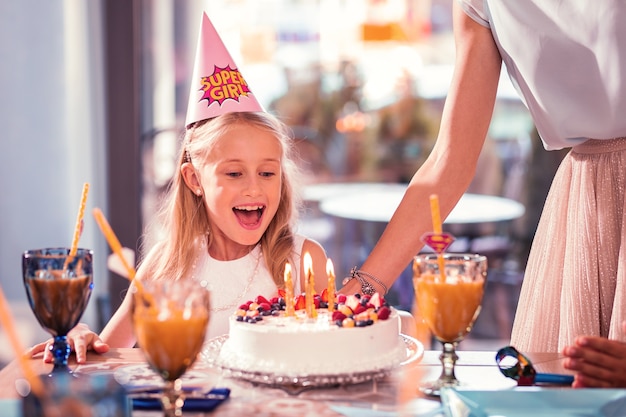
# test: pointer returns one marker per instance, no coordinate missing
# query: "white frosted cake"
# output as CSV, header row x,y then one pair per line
x,y
331,343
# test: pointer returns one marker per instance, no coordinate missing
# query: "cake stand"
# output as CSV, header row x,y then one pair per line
x,y
296,383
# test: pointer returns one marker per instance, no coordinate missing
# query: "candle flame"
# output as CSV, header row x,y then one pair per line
x,y
308,264
287,271
289,307
329,268
330,271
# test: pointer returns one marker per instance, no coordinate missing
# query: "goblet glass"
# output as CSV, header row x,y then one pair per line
x,y
58,287
170,319
449,302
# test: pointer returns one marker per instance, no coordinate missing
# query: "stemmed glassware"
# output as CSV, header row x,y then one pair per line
x,y
449,291
170,319
58,286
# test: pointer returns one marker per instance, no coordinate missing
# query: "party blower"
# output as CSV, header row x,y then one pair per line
x,y
523,371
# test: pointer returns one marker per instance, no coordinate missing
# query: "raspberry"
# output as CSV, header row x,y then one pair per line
x,y
383,313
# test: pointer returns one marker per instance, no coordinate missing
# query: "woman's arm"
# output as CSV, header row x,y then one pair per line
x,y
450,167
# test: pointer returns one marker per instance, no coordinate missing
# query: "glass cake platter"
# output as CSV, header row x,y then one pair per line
x,y
211,350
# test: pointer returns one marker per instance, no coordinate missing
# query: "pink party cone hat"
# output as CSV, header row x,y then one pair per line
x,y
217,86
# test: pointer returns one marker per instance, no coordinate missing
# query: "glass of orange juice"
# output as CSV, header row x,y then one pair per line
x,y
170,319
449,290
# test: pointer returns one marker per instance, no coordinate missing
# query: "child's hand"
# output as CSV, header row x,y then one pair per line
x,y
80,338
599,362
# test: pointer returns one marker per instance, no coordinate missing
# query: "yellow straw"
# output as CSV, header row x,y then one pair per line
x,y
438,229
7,322
434,211
79,219
114,243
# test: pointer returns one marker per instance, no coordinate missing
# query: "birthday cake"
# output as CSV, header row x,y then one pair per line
x,y
362,334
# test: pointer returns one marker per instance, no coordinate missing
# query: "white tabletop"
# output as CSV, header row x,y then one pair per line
x,y
376,202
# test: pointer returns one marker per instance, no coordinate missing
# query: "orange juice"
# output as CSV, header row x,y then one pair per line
x,y
449,307
170,342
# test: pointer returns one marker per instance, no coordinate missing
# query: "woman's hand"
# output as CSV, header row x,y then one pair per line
x,y
597,361
80,338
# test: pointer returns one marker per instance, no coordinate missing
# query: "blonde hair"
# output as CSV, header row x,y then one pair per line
x,y
184,215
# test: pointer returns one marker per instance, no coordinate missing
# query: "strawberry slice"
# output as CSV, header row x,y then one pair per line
x,y
353,302
260,300
324,295
338,315
300,303
359,309
376,300
281,292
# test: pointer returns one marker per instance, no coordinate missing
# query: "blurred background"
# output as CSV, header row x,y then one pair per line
x,y
96,91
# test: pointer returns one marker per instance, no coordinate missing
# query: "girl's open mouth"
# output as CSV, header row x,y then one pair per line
x,y
249,216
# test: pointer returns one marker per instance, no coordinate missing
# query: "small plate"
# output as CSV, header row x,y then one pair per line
x,y
210,355
141,377
534,401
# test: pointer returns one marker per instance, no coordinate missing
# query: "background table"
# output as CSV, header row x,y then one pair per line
x,y
476,369
376,202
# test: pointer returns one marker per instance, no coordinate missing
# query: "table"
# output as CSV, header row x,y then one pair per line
x,y
376,202
475,368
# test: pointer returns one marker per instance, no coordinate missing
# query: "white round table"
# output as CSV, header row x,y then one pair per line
x,y
376,202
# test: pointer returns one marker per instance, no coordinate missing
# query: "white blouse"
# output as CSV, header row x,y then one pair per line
x,y
567,59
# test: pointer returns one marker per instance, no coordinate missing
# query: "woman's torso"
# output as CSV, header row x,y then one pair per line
x,y
568,61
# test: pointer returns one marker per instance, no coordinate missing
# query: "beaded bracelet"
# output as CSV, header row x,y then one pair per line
x,y
366,287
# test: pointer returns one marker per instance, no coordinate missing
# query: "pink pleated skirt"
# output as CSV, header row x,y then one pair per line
x,y
575,280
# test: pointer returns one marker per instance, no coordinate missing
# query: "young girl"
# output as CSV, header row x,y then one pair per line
x,y
229,219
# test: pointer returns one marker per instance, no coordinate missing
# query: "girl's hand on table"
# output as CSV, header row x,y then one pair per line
x,y
598,362
80,338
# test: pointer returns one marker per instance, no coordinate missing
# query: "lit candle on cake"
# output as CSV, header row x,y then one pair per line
x,y
309,286
289,308
331,285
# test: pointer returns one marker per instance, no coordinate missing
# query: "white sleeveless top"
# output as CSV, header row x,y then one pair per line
x,y
234,282
566,59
